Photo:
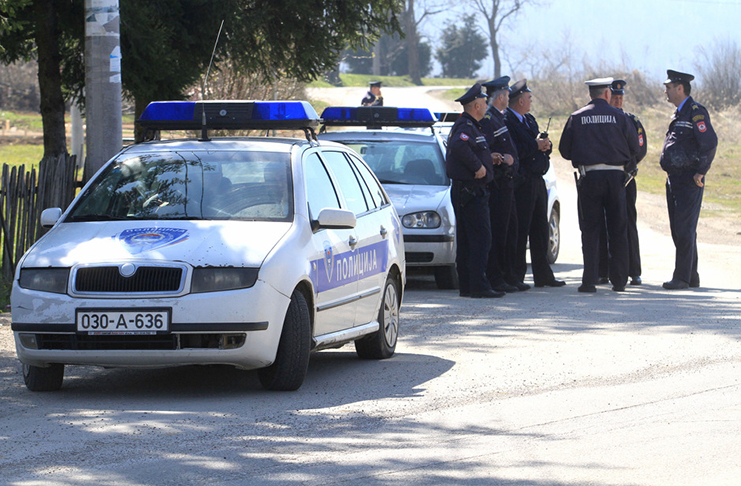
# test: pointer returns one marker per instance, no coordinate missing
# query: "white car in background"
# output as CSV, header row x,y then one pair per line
x,y
250,252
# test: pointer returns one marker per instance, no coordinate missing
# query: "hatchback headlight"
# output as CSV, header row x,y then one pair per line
x,y
214,279
424,219
45,279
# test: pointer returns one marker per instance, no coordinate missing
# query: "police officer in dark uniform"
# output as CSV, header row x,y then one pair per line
x,y
600,141
631,170
373,96
689,149
502,208
531,195
468,163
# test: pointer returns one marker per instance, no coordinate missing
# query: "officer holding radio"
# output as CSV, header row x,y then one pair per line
x,y
468,162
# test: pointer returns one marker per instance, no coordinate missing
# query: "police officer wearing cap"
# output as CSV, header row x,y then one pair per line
x,y
502,209
634,254
689,149
373,96
531,195
468,163
600,141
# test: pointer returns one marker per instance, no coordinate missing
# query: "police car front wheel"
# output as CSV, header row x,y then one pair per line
x,y
43,379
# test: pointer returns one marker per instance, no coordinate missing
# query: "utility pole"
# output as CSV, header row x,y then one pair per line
x,y
102,83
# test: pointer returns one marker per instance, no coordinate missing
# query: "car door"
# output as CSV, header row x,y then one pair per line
x,y
370,256
335,289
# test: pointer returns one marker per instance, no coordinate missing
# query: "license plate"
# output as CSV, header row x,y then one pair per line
x,y
123,322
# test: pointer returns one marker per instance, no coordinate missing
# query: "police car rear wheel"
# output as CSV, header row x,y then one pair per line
x,y
382,343
43,379
288,371
446,277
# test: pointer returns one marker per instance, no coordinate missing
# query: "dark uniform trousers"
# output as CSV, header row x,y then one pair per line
x,y
602,199
684,199
531,198
634,249
473,235
503,211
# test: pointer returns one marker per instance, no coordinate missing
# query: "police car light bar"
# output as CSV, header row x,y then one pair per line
x,y
228,115
377,116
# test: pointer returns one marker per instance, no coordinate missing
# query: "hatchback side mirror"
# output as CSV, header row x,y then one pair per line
x,y
335,219
50,216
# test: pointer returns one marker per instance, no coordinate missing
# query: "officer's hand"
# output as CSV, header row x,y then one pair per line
x,y
481,173
496,158
698,180
544,144
508,159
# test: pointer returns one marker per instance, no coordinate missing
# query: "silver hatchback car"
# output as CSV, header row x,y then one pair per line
x,y
405,151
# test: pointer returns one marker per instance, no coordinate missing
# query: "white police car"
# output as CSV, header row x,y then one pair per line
x,y
411,166
249,252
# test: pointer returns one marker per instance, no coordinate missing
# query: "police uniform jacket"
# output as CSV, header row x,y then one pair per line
x,y
599,134
500,141
467,152
532,162
690,143
372,100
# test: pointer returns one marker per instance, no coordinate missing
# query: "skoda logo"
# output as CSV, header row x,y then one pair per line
x,y
127,269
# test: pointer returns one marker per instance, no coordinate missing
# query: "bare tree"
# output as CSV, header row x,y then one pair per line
x,y
497,12
411,32
720,69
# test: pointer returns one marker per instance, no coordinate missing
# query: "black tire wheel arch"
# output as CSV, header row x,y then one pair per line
x,y
291,363
446,277
40,379
382,343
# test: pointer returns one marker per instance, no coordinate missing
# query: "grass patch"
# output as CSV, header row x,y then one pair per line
x,y
21,154
21,120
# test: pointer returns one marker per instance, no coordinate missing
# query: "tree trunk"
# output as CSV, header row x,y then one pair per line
x,y
50,78
412,40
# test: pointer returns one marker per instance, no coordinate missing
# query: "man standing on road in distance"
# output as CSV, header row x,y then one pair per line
x,y
689,149
502,209
531,195
634,253
600,141
468,163
373,97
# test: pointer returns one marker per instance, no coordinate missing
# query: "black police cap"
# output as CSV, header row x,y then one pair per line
x,y
496,85
472,93
677,77
375,84
518,88
618,87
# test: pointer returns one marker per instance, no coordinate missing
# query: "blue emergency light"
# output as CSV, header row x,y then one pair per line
x,y
228,115
377,116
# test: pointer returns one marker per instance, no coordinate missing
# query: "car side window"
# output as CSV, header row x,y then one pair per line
x,y
379,198
320,193
348,181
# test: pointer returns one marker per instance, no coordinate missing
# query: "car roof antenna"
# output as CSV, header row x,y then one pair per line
x,y
204,129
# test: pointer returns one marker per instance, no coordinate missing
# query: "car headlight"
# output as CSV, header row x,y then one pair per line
x,y
214,279
45,279
424,219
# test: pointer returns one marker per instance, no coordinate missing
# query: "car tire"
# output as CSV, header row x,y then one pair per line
x,y
446,277
382,343
291,363
40,379
554,235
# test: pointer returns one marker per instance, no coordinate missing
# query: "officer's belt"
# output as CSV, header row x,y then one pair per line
x,y
589,168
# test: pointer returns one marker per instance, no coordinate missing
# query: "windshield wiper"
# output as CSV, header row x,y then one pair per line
x,y
95,217
387,181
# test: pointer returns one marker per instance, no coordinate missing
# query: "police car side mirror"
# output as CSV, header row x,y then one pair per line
x,y
50,216
330,218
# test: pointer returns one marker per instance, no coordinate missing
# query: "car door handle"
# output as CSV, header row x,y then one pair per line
x,y
352,241
384,231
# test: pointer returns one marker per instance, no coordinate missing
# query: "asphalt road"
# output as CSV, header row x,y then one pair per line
x,y
545,387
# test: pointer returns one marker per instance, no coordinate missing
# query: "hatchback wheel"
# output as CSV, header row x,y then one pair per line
x,y
554,235
291,363
382,343
43,379
446,277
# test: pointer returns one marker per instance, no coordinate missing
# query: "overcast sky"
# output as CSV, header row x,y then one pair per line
x,y
649,35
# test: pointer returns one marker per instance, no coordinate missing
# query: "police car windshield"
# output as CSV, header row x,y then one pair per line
x,y
403,161
191,185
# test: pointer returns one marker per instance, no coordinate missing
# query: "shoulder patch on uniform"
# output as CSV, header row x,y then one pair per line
x,y
698,118
695,106
701,126
464,137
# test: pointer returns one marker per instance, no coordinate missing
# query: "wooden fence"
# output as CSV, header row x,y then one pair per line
x,y
23,195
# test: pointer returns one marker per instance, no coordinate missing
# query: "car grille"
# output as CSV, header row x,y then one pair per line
x,y
172,342
146,279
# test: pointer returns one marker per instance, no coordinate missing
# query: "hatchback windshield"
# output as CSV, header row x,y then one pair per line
x,y
403,162
191,185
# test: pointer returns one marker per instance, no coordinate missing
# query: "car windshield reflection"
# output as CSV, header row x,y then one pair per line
x,y
403,161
